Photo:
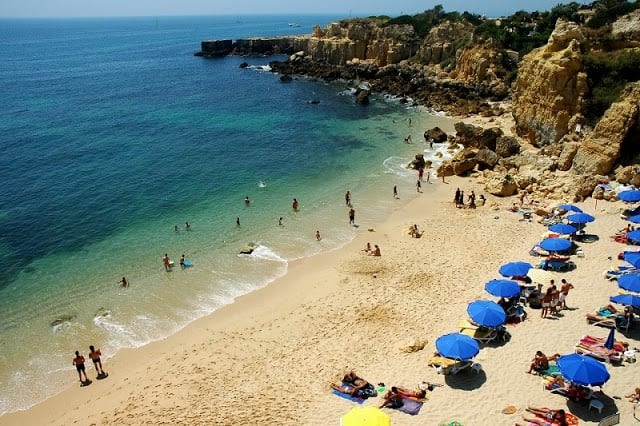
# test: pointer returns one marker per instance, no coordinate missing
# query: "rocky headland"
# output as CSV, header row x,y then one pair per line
x,y
572,95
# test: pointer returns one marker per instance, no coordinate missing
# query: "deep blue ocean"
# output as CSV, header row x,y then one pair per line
x,y
113,135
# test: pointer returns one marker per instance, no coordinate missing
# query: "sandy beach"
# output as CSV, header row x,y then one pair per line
x,y
269,357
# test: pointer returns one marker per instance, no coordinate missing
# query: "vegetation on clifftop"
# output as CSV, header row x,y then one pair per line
x,y
608,73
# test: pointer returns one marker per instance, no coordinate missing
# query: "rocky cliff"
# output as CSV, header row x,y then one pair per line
x,y
549,92
616,135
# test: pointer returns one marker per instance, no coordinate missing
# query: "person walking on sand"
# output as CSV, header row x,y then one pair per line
x,y
428,176
95,355
124,282
352,216
395,191
318,236
166,262
295,204
78,361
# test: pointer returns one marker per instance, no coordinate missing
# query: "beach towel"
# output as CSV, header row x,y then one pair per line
x,y
410,406
365,393
357,400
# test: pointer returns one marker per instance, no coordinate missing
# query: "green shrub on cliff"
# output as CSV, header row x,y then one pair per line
x,y
423,22
607,74
607,11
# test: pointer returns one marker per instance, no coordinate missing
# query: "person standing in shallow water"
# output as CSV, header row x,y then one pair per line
x,y
347,198
352,216
295,204
318,236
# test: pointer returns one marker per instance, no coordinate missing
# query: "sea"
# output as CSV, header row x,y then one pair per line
x,y
114,136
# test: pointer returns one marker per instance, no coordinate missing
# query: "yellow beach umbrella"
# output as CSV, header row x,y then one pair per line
x,y
365,416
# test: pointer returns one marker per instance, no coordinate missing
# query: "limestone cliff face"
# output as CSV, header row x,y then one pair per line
x,y
627,27
362,39
617,134
442,42
549,92
483,67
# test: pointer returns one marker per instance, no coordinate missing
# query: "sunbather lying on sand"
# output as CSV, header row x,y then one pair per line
x,y
393,397
547,417
357,385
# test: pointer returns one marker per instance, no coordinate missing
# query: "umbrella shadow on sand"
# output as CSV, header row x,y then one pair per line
x,y
467,380
581,408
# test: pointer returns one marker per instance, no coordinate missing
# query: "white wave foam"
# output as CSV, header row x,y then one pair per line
x,y
265,253
397,166
264,68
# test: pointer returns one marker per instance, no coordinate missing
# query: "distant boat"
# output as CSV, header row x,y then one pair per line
x,y
293,24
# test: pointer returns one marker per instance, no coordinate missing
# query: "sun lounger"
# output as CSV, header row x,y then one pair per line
x,y
447,365
615,272
574,393
483,334
557,265
618,345
599,352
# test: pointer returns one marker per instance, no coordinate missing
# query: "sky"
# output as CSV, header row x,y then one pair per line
x,y
346,8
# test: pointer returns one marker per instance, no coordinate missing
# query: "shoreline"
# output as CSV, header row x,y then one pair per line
x,y
271,354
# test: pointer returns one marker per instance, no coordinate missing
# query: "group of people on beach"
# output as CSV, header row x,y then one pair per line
x,y
357,387
79,361
553,299
458,199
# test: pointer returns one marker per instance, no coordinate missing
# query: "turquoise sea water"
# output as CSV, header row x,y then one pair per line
x,y
113,133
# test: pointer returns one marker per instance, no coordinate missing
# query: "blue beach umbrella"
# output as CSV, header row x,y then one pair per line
x,y
634,218
502,288
633,257
611,339
626,300
457,346
583,370
629,282
486,313
563,228
630,196
514,269
570,208
634,236
580,218
555,244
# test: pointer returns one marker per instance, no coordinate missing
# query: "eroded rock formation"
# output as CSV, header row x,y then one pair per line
x,y
617,132
550,89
